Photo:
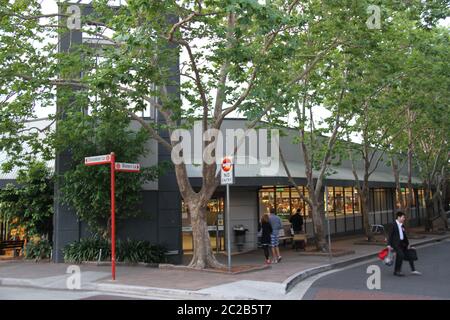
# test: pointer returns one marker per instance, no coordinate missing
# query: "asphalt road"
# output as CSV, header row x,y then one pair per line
x,y
351,283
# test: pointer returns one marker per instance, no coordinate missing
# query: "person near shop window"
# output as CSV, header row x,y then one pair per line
x,y
266,231
297,225
277,225
297,222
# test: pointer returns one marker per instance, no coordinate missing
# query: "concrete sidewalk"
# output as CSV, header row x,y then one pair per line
x,y
274,282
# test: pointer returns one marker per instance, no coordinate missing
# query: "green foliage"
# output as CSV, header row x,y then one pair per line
x,y
87,188
87,250
38,250
30,203
129,251
133,251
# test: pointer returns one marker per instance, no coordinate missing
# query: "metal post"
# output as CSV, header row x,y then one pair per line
x,y
228,228
328,223
113,216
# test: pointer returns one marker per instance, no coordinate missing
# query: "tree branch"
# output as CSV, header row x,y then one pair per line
x,y
150,129
283,161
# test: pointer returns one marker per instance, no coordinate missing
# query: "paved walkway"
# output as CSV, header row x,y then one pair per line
x,y
274,282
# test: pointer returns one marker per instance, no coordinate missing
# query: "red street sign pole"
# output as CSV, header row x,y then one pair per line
x,y
121,167
113,215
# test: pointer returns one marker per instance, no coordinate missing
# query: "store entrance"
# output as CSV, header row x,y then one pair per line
x,y
215,218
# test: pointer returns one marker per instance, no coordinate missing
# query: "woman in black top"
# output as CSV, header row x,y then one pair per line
x,y
265,235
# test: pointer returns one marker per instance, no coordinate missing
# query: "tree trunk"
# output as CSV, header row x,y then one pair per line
x,y
398,193
428,208
443,189
365,205
319,231
203,256
409,199
197,203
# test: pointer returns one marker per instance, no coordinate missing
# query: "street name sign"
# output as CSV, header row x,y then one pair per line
x,y
127,167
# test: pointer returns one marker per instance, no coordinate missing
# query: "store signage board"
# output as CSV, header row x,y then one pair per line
x,y
226,172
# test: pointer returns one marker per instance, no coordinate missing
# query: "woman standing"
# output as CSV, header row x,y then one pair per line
x,y
266,229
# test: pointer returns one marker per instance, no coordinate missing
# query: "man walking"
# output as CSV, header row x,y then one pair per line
x,y
277,225
297,225
398,241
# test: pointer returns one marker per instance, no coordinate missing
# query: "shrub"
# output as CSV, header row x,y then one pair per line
x,y
86,250
131,251
134,251
38,250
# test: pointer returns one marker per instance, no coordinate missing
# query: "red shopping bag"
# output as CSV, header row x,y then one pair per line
x,y
383,253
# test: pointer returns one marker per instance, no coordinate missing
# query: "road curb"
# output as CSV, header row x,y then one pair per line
x,y
167,293
16,282
293,280
153,291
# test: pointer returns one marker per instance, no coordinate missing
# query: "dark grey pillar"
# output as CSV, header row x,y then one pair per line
x,y
66,227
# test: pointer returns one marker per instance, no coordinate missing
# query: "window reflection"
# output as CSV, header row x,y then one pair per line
x,y
266,200
405,194
283,203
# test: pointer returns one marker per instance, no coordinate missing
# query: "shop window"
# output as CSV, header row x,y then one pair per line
x,y
283,202
348,199
298,203
379,200
405,194
356,202
330,202
266,201
421,195
339,201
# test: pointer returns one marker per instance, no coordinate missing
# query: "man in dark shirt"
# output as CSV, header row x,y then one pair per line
x,y
297,224
398,241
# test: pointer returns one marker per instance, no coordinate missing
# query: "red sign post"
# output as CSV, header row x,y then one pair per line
x,y
115,166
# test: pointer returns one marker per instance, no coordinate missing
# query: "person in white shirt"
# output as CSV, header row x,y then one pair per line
x,y
398,241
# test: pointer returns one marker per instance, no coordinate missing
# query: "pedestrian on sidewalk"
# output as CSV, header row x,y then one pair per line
x,y
398,241
266,231
277,225
297,225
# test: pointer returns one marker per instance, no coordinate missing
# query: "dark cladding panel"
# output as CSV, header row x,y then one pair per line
x,y
167,239
168,218
65,222
149,206
169,200
137,229
144,227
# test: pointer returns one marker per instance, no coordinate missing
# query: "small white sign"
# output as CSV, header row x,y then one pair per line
x,y
129,167
226,172
226,178
90,161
